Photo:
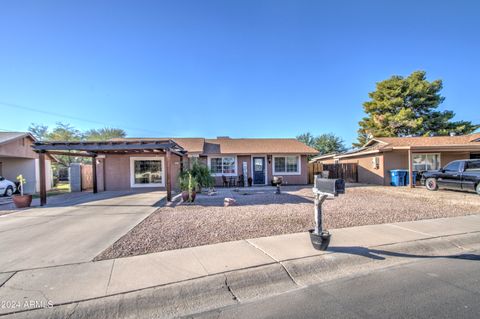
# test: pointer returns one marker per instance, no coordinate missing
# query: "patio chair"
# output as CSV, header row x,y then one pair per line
x,y
240,181
225,181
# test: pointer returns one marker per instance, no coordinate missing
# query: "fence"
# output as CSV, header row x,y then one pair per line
x,y
348,172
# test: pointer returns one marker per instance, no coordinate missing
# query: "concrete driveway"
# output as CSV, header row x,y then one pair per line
x,y
73,228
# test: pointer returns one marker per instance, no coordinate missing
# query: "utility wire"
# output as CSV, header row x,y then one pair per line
x,y
31,109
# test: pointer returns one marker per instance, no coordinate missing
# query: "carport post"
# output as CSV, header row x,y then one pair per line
x,y
43,181
168,175
94,173
410,169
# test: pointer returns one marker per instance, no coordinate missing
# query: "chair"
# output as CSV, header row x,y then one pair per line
x,y
232,181
225,182
240,181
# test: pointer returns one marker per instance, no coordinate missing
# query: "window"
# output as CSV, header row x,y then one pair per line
x,y
452,167
146,172
426,162
469,165
223,165
286,165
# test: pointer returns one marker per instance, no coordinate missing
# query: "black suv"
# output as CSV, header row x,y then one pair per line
x,y
458,175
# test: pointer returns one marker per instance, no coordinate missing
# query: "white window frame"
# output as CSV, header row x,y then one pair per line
x,y
299,166
144,158
209,164
420,154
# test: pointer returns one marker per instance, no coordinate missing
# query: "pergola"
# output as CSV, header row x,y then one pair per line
x,y
94,148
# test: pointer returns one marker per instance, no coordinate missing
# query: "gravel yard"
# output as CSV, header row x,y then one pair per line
x,y
262,213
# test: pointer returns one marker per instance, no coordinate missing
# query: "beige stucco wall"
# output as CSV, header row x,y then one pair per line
x,y
117,171
21,147
366,172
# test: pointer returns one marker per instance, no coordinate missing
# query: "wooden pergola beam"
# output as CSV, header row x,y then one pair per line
x,y
43,181
168,181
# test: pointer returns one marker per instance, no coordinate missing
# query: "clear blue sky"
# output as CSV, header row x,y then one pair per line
x,y
238,68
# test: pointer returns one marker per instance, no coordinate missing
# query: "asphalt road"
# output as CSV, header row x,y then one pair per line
x,y
433,288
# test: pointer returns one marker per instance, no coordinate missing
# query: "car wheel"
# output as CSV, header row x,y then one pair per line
x,y
478,188
431,184
9,191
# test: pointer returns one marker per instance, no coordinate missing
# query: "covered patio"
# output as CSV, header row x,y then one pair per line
x,y
100,150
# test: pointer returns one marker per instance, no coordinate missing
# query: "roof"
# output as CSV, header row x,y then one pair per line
x,y
426,140
322,157
381,144
10,136
239,145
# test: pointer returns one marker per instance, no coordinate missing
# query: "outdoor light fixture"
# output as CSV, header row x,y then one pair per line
x,y
269,158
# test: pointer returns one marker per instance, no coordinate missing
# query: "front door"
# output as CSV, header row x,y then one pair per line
x,y
259,170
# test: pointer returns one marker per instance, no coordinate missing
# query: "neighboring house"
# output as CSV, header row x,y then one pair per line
x,y
380,155
17,157
224,156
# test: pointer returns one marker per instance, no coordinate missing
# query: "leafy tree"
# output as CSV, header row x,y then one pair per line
x,y
307,139
104,134
66,132
39,131
408,107
329,143
324,143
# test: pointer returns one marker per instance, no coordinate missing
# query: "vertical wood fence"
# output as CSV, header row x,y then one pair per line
x,y
348,172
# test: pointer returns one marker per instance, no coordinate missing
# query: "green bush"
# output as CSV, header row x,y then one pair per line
x,y
202,174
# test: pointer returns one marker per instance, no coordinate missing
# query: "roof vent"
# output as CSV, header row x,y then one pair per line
x,y
222,137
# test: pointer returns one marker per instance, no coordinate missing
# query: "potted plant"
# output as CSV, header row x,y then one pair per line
x,y
22,201
250,181
188,185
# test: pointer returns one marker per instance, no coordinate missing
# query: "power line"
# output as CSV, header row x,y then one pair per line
x,y
31,109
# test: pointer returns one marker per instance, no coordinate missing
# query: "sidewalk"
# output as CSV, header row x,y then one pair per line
x,y
242,269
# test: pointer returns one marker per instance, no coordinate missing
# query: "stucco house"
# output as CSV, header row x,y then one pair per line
x,y
17,157
380,155
139,163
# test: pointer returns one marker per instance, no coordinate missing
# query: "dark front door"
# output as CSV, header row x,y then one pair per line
x,y
259,170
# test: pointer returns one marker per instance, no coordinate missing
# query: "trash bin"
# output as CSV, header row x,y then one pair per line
x,y
407,180
398,177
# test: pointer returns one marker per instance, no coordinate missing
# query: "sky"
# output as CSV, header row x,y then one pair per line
x,y
248,68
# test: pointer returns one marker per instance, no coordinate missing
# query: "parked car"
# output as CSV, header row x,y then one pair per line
x,y
7,188
457,175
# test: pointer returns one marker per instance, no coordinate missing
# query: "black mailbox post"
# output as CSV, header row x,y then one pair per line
x,y
323,189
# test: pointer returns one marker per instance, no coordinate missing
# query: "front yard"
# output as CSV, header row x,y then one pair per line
x,y
262,213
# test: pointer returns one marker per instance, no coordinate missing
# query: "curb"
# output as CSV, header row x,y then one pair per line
x,y
230,288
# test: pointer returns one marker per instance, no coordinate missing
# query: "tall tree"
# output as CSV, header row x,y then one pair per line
x,y
408,107
104,134
307,139
329,143
324,143
39,131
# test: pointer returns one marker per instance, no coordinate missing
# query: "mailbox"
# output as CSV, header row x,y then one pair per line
x,y
330,186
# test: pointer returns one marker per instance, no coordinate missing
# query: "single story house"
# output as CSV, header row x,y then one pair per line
x,y
380,155
17,157
133,163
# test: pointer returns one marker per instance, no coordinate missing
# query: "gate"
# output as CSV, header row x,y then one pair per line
x,y
346,171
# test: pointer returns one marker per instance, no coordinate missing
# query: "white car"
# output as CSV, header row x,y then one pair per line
x,y
7,188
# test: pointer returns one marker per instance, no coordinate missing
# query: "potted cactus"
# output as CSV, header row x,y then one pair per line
x,y
188,185
22,200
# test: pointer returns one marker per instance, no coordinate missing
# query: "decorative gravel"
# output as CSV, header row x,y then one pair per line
x,y
263,213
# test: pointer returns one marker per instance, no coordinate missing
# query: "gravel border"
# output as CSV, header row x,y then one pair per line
x,y
262,213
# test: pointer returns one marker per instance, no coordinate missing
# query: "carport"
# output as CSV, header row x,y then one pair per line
x,y
97,149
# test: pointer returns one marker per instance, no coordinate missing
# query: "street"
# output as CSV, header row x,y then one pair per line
x,y
429,288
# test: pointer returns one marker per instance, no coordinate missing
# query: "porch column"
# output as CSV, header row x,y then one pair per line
x,y
94,174
168,175
410,169
43,180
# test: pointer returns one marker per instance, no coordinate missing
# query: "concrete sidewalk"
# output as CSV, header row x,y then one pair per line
x,y
239,270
